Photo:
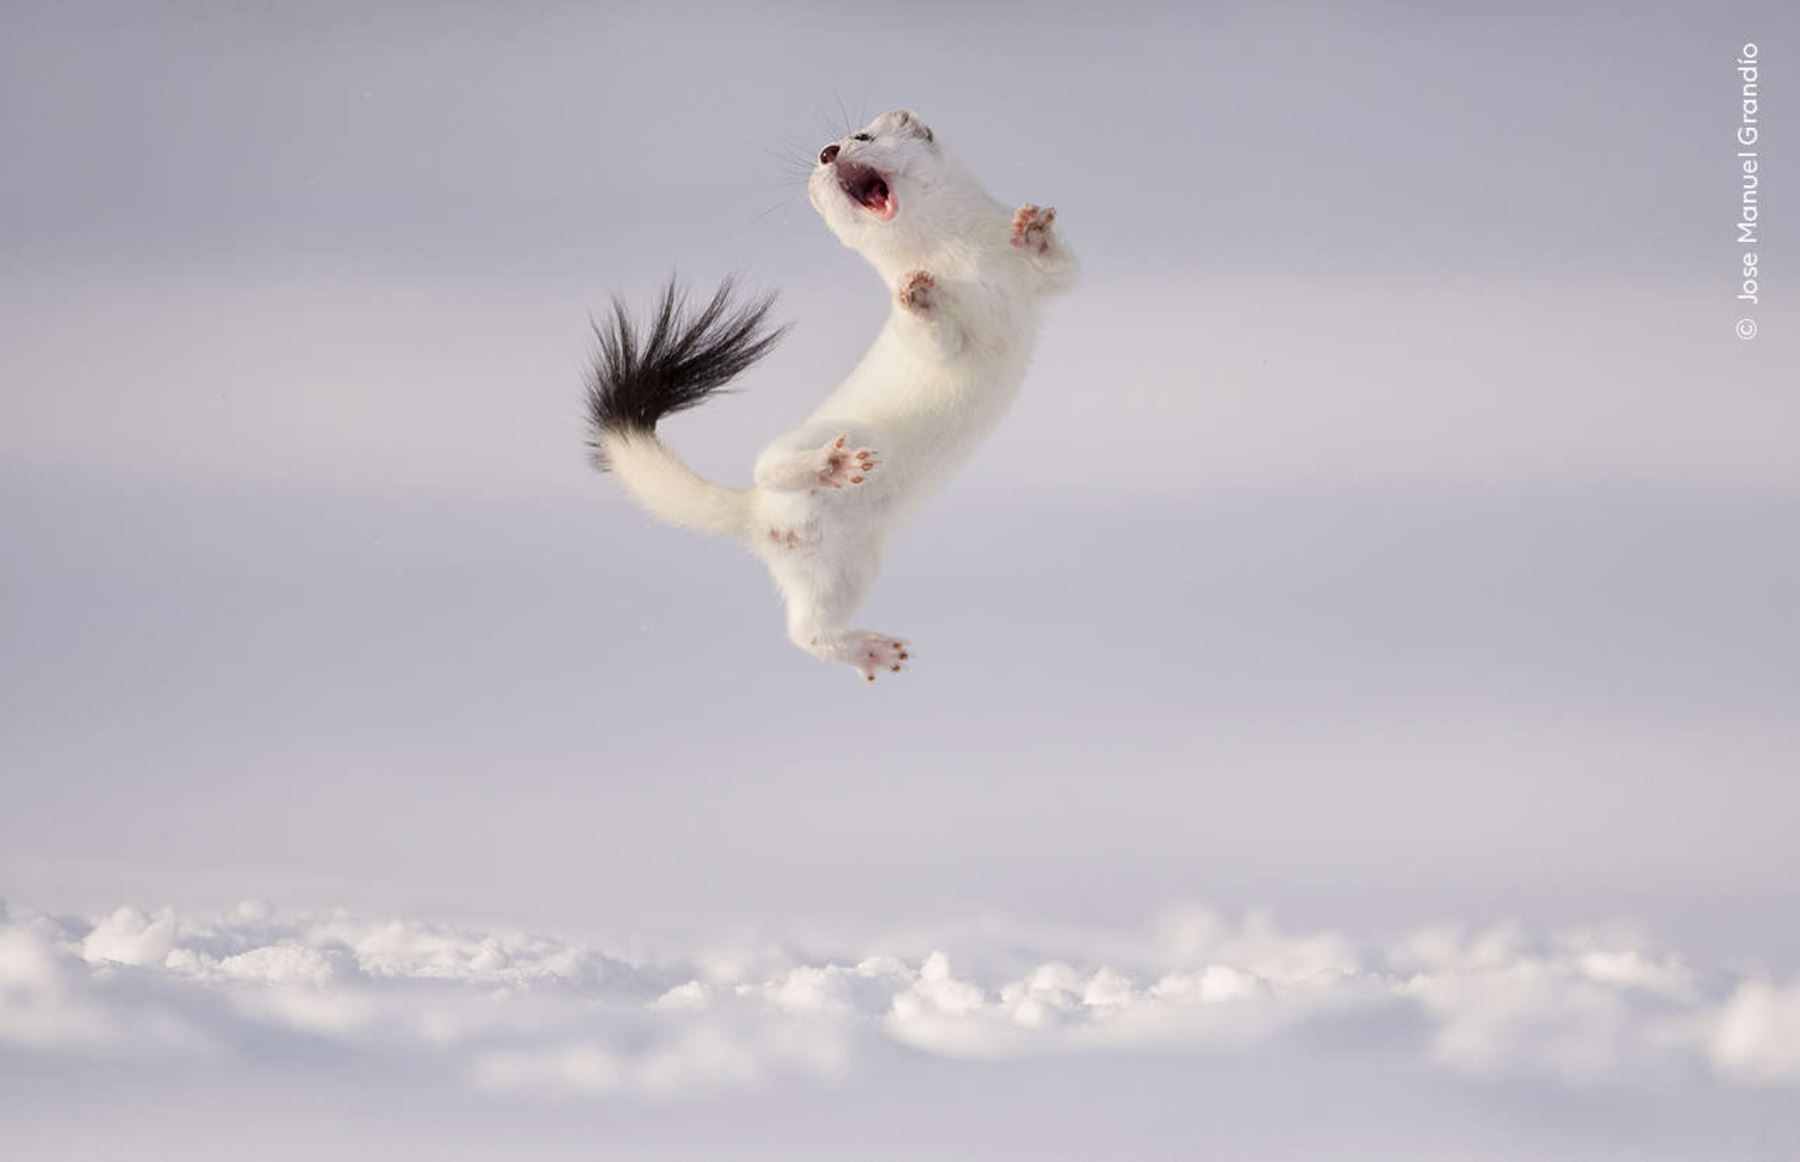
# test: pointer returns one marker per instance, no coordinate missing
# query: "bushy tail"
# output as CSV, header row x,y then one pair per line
x,y
679,361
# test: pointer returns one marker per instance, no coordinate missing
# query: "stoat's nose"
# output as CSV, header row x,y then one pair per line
x,y
828,155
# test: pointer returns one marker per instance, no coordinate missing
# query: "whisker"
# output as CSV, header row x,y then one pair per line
x,y
793,152
829,132
843,113
759,219
789,160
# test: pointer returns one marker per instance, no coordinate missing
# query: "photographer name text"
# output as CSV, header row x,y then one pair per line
x,y
1749,155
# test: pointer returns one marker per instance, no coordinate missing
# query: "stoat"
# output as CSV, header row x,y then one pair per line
x,y
966,274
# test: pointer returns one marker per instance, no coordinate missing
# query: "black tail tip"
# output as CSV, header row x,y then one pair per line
x,y
673,362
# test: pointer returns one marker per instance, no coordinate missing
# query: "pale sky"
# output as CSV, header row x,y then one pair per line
x,y
1393,538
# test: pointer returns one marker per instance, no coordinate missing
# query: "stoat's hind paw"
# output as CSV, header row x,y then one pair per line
x,y
916,291
1031,229
874,653
841,464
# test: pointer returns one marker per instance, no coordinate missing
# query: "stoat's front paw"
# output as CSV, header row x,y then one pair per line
x,y
917,292
840,464
1031,229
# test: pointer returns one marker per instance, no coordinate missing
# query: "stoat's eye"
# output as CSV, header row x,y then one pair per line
x,y
861,137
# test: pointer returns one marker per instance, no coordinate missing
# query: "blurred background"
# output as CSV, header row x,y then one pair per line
x,y
1392,531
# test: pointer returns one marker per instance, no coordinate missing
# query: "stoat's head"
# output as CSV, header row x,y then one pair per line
x,y
886,187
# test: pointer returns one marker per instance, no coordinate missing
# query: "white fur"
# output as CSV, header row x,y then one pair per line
x,y
939,376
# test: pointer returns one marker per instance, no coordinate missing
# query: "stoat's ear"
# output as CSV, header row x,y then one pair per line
x,y
907,124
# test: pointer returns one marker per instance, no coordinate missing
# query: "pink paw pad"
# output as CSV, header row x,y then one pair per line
x,y
846,465
1031,228
915,292
880,653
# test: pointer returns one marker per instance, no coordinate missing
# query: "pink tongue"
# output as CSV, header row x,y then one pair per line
x,y
884,207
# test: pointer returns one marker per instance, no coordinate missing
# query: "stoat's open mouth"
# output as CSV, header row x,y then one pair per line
x,y
867,189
